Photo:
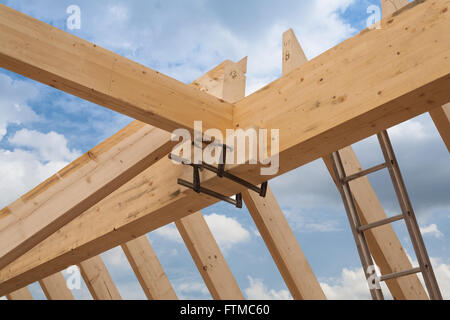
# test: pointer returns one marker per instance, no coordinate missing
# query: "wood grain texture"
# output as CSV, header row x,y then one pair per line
x,y
21,294
79,186
55,287
283,246
98,280
383,242
46,54
148,269
382,97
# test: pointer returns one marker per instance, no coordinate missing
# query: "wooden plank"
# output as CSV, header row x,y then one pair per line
x,y
21,294
293,55
441,118
383,242
98,280
283,246
79,186
46,54
227,81
309,133
388,7
55,287
208,258
148,269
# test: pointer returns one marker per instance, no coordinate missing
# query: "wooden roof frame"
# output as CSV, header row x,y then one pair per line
x,y
312,105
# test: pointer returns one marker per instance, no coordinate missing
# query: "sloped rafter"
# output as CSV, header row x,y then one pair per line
x,y
228,82
90,72
55,287
21,294
148,269
384,243
316,116
98,280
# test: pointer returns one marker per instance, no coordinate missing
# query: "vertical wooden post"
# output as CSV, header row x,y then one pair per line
x,y
21,294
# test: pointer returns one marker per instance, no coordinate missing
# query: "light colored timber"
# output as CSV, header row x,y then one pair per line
x,y
440,115
78,187
55,287
388,7
382,95
385,246
148,269
441,118
283,246
98,280
227,81
21,294
208,258
46,54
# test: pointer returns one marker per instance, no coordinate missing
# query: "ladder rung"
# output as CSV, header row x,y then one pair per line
x,y
365,172
400,274
381,223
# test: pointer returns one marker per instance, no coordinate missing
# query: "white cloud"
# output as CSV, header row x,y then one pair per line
x,y
14,96
169,232
258,291
442,272
115,258
351,285
48,146
227,231
432,230
188,288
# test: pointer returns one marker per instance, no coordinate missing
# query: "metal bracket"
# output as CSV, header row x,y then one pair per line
x,y
221,173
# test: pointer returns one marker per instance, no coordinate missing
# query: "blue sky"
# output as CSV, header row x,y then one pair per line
x,y
42,130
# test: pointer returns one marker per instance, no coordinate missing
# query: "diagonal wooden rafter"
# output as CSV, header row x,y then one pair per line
x,y
384,243
46,54
55,287
228,82
316,116
21,294
98,280
148,269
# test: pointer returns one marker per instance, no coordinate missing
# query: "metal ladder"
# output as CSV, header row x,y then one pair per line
x,y
408,215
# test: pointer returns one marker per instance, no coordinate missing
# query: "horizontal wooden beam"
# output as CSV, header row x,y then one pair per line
x,y
98,280
79,186
148,269
382,97
46,54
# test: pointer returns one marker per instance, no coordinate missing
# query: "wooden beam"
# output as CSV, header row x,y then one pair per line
x,y
382,97
208,258
46,54
148,270
21,294
98,280
388,7
79,186
283,246
383,242
55,287
440,115
441,118
228,82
